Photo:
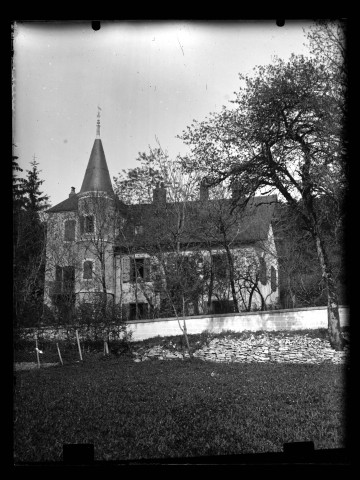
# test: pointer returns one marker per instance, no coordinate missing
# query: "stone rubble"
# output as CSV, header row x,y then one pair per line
x,y
292,349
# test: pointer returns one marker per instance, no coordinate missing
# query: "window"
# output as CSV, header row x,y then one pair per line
x,y
138,311
68,275
273,279
88,270
219,262
140,268
87,224
64,280
69,235
62,291
222,306
139,229
137,269
262,273
58,273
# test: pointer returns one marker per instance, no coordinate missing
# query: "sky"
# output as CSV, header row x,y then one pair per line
x,y
151,80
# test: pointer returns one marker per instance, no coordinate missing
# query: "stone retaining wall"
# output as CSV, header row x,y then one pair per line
x,y
289,319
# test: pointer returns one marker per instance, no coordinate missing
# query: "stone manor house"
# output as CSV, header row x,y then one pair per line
x,y
192,257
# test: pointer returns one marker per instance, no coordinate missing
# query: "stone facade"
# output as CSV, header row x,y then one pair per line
x,y
69,246
94,241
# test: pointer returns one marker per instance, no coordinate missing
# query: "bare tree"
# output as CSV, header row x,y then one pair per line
x,y
238,240
285,135
166,273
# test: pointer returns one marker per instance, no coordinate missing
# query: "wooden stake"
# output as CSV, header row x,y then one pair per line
x,y
58,349
37,350
78,342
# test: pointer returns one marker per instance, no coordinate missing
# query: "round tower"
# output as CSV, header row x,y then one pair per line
x,y
96,210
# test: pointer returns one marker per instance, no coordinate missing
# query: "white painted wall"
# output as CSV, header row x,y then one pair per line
x,y
302,318
297,319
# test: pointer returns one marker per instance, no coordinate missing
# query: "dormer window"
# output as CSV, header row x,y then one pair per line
x,y
87,224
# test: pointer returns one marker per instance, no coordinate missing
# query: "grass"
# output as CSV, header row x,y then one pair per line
x,y
178,408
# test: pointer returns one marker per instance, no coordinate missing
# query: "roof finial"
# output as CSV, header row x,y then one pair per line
x,y
98,123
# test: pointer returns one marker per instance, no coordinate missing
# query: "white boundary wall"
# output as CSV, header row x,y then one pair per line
x,y
289,319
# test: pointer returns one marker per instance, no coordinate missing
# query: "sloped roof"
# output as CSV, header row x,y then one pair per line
x,y
255,221
71,205
249,225
68,205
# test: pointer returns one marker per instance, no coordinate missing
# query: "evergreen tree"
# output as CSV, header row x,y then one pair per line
x,y
17,185
29,234
35,200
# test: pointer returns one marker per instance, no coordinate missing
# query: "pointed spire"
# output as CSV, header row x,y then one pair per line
x,y
98,123
97,177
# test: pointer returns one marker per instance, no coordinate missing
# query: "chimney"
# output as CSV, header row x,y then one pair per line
x,y
204,190
72,192
159,194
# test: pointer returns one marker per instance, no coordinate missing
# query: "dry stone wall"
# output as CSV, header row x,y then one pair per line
x,y
263,348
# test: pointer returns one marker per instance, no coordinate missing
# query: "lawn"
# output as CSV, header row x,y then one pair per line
x,y
177,408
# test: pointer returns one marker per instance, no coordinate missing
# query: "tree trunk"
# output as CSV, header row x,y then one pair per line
x,y
187,339
231,275
336,340
184,328
334,331
211,286
250,298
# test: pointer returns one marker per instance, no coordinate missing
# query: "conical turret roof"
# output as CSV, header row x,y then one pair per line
x,y
97,177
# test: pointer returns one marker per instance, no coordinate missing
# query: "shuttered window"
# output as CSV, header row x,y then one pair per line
x,y
263,273
273,279
126,269
147,267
